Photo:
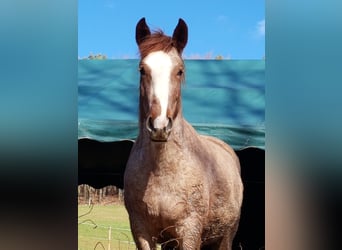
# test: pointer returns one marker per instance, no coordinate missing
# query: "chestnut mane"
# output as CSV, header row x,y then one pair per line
x,y
155,42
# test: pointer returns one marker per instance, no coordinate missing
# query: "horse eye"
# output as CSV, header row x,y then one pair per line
x,y
180,72
142,71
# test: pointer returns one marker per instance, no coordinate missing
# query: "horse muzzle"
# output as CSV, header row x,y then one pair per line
x,y
158,134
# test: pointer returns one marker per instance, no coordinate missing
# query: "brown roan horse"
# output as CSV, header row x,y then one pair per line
x,y
182,190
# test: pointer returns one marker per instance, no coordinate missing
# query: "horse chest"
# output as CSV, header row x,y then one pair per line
x,y
170,200
171,189
164,199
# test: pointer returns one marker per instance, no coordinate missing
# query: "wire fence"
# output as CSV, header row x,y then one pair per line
x,y
97,237
102,221
97,228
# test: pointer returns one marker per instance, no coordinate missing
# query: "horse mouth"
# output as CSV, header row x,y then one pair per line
x,y
159,137
158,134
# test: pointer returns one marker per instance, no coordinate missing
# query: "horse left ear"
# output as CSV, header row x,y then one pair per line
x,y
141,31
180,35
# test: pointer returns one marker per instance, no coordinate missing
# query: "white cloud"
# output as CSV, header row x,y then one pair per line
x,y
260,29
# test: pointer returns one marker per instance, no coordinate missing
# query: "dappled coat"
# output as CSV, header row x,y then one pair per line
x,y
182,190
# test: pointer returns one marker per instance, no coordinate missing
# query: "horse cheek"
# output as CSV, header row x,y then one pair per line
x,y
175,105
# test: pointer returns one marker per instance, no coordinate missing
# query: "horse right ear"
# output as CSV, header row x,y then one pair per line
x,y
180,35
141,31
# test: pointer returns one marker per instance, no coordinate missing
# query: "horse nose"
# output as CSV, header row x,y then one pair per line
x,y
159,134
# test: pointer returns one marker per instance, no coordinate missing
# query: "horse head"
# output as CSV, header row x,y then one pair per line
x,y
161,74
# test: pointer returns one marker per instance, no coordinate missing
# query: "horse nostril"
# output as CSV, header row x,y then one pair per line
x,y
149,124
169,126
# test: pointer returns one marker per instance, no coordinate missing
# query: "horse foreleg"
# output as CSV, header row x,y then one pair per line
x,y
227,240
226,243
143,240
144,243
189,232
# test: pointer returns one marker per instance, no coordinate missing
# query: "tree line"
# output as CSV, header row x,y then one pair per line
x,y
104,57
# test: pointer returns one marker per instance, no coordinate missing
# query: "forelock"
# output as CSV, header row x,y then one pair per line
x,y
158,41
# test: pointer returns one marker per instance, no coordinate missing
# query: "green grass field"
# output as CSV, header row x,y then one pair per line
x,y
94,227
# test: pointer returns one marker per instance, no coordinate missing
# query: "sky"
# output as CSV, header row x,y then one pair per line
x,y
234,29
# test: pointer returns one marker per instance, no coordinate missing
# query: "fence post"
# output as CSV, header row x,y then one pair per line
x,y
109,236
120,194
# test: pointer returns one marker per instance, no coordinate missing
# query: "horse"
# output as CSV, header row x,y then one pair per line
x,y
182,190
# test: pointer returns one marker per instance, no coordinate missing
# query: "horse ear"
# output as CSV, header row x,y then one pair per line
x,y
141,31
180,35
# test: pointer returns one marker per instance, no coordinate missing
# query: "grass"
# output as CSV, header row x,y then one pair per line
x,y
94,223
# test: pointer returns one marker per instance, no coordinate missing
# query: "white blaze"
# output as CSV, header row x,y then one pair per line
x,y
160,65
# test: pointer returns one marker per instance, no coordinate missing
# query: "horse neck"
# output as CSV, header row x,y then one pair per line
x,y
161,158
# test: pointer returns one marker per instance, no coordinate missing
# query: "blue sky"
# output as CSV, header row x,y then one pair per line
x,y
233,29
